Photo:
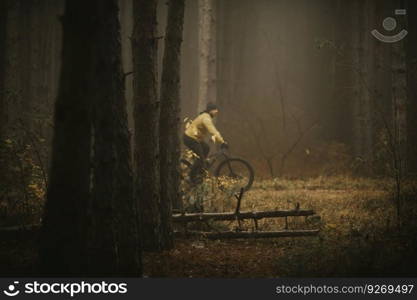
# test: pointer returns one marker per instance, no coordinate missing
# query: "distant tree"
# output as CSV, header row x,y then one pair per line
x,y
64,234
11,68
3,31
44,39
113,246
399,98
361,14
170,119
399,109
411,46
207,53
146,115
32,42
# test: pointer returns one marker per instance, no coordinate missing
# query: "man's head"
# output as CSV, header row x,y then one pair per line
x,y
212,109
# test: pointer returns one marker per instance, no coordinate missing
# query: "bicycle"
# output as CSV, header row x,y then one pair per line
x,y
231,172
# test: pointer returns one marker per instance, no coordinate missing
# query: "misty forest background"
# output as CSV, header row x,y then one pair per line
x,y
93,95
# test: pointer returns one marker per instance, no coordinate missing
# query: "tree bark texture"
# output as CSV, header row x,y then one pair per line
x,y
169,137
146,115
399,96
114,244
64,234
31,70
363,83
411,44
241,215
3,32
249,235
207,53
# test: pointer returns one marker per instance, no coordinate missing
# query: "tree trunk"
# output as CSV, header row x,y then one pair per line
x,y
189,66
45,41
399,98
363,81
412,86
3,31
126,24
207,53
399,109
146,115
170,119
31,67
63,239
11,82
114,240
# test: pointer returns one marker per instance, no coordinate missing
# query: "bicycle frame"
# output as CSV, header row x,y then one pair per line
x,y
218,156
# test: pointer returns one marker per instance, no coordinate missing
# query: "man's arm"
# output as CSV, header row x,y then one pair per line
x,y
208,123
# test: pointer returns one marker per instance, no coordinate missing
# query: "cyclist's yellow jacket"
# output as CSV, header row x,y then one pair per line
x,y
202,125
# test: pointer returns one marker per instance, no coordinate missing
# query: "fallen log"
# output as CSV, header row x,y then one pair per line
x,y
247,234
241,215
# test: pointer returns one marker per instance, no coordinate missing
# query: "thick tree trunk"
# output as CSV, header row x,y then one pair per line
x,y
114,240
207,53
63,240
146,115
170,119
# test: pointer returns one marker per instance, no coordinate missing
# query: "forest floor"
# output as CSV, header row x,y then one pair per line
x,y
358,235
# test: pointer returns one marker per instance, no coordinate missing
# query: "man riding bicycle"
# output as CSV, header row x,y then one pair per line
x,y
195,134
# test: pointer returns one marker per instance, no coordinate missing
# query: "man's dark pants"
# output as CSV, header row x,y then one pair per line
x,y
202,150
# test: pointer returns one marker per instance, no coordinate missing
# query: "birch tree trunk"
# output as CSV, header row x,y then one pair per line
x,y
146,115
170,119
207,53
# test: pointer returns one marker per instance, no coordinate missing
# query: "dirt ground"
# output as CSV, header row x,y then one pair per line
x,y
359,236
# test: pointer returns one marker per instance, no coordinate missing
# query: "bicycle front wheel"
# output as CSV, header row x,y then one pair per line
x,y
234,174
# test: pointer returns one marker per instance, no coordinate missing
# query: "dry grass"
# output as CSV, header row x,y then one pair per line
x,y
358,233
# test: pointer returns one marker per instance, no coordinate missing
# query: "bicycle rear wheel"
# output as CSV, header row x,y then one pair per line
x,y
234,174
